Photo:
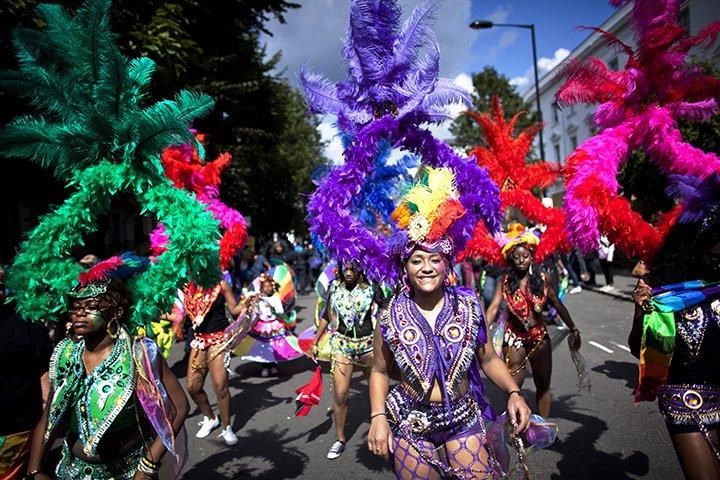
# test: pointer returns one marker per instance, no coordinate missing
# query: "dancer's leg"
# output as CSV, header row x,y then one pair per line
x,y
514,359
219,376
197,371
541,364
696,458
466,452
409,464
342,372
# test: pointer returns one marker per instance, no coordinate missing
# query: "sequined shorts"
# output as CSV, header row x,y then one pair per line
x,y
352,348
71,467
203,341
687,407
430,420
518,337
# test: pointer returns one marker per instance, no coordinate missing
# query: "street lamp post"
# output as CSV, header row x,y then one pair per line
x,y
484,24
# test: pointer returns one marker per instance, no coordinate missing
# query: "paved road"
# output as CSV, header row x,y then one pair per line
x,y
602,435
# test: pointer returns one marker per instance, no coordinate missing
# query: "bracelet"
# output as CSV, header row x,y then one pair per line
x,y
150,464
147,469
377,415
518,392
30,475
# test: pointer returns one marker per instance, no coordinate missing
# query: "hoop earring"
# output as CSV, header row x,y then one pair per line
x,y
406,283
113,328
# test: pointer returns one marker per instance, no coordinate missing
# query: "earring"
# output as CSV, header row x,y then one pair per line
x,y
113,328
406,283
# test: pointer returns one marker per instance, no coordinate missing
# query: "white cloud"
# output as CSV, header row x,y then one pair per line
x,y
500,14
544,64
330,135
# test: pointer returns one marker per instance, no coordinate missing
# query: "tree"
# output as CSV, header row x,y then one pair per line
x,y
487,84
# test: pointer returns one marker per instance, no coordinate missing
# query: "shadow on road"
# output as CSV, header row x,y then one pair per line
x,y
264,448
619,371
580,459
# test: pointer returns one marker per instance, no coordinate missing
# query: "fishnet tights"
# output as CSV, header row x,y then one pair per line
x,y
462,457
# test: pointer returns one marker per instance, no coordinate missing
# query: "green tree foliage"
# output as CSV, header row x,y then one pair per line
x,y
487,84
213,46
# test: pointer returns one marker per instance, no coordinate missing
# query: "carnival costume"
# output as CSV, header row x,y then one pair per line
x,y
124,392
99,135
271,338
638,109
352,310
184,165
681,331
504,157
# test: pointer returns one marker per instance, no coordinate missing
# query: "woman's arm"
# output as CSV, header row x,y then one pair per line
x,y
236,308
565,316
178,403
379,436
498,373
492,309
37,445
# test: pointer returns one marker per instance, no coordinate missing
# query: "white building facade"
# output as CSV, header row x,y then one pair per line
x,y
564,129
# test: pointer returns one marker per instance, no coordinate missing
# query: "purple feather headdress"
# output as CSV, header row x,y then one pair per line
x,y
387,73
698,196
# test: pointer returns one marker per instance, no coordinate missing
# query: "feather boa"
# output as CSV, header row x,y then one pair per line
x,y
184,167
330,214
639,108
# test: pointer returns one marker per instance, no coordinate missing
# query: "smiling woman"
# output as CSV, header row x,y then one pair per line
x,y
434,422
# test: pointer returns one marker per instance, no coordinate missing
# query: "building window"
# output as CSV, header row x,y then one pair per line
x,y
614,64
557,153
573,142
555,112
684,18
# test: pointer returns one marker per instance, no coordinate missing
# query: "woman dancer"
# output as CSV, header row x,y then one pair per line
x,y
432,422
525,290
351,305
123,406
271,338
206,309
684,302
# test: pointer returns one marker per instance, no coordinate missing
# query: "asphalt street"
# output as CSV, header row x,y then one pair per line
x,y
602,435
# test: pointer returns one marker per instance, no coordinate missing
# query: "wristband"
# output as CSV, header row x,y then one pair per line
x,y
518,392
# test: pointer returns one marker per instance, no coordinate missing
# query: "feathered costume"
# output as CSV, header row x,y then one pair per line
x,y
185,167
390,92
96,136
638,109
271,338
504,157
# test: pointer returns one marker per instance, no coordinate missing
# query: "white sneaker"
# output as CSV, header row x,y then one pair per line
x,y
207,425
574,290
336,449
607,288
228,436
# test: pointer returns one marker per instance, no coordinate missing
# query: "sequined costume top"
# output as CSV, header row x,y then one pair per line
x,y
352,309
696,359
98,402
447,353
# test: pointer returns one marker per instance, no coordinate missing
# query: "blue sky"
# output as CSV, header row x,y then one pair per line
x,y
312,34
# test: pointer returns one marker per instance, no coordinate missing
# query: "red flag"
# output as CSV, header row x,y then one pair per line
x,y
309,395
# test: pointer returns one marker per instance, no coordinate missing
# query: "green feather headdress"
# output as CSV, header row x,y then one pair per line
x,y
95,131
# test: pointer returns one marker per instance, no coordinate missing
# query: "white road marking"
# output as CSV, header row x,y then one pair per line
x,y
601,347
624,347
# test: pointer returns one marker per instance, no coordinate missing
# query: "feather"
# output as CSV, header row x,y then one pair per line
x,y
697,111
321,95
612,41
589,81
413,34
446,93
140,71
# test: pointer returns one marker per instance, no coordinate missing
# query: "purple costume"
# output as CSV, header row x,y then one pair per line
x,y
446,355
